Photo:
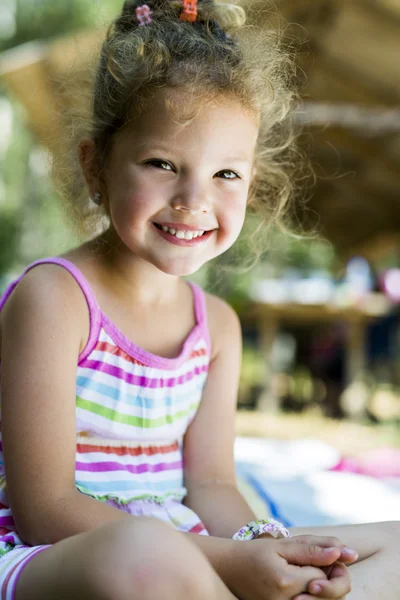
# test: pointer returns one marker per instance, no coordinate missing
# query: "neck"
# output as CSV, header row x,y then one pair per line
x,y
133,277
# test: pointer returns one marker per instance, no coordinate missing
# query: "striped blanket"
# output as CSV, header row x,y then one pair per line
x,y
292,481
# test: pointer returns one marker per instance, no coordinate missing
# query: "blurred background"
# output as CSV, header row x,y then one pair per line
x,y
320,312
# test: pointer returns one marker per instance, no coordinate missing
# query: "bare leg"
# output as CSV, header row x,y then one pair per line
x,y
376,573
138,559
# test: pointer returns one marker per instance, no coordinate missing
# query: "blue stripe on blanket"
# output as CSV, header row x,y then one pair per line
x,y
267,499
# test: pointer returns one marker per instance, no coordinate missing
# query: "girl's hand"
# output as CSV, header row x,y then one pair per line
x,y
275,569
338,578
337,582
269,569
347,555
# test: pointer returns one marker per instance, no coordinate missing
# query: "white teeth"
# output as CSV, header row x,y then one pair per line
x,y
182,235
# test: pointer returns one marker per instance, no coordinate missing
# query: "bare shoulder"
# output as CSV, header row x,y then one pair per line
x,y
43,284
47,295
223,322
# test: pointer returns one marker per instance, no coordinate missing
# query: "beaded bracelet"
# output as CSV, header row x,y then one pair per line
x,y
254,529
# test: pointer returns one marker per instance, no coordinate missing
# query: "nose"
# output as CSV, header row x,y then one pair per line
x,y
192,198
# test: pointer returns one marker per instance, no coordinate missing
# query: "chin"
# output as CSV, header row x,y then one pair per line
x,y
181,272
178,270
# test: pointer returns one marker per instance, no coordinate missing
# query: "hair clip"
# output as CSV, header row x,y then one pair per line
x,y
189,12
143,14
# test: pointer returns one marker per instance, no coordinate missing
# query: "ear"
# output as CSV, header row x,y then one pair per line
x,y
86,153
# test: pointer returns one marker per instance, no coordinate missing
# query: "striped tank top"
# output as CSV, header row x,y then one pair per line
x,y
132,411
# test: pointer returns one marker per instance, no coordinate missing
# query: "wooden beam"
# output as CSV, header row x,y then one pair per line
x,y
329,80
379,246
368,44
369,120
347,215
23,71
368,149
387,10
351,226
355,84
34,73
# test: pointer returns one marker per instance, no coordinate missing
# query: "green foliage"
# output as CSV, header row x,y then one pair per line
x,y
253,367
301,252
9,236
30,220
44,19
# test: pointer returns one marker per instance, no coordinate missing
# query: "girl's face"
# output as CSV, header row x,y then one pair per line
x,y
177,194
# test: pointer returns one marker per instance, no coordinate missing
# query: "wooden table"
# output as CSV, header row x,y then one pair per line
x,y
270,317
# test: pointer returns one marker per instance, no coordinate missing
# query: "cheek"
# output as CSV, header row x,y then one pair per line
x,y
230,225
232,216
129,209
129,198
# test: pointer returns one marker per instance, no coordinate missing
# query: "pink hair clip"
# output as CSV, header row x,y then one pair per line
x,y
143,14
189,12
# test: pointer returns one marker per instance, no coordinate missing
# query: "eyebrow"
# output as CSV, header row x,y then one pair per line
x,y
149,146
155,146
240,158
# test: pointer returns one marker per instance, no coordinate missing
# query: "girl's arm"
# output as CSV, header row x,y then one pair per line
x,y
209,467
44,325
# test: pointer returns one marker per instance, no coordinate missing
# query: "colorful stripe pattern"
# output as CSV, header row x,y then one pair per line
x,y
134,417
132,411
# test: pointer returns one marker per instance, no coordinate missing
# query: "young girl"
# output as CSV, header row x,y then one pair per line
x,y
119,378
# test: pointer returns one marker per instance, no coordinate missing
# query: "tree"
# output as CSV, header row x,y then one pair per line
x,y
30,223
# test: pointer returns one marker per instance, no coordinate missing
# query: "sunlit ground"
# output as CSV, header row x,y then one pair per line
x,y
349,438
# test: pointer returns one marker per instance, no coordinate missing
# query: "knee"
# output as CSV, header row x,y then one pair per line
x,y
146,559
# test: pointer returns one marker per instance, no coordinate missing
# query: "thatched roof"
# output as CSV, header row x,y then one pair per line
x,y
352,104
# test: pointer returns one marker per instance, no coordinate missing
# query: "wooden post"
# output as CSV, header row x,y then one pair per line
x,y
268,328
355,351
355,397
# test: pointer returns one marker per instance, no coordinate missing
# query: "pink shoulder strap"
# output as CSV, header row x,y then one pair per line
x,y
201,312
94,311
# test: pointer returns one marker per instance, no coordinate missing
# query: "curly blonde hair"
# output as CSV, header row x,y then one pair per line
x,y
220,54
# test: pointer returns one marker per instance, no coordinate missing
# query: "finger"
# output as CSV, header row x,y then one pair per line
x,y
308,574
337,586
348,555
328,570
308,554
295,580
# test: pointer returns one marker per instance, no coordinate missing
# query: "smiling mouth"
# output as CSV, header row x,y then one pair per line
x,y
181,234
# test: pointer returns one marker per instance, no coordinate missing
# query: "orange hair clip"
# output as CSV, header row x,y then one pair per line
x,y
189,12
